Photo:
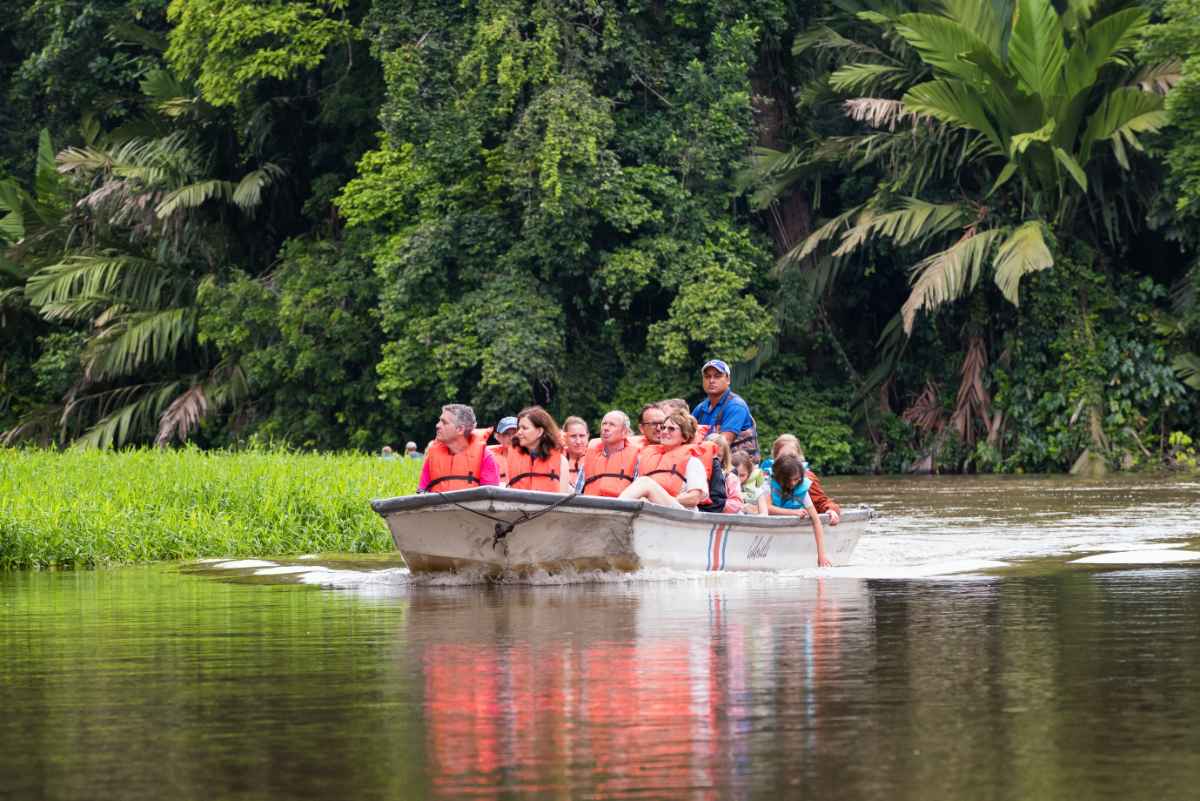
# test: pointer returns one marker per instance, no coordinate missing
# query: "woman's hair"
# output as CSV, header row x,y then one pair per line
x,y
783,441
674,405
551,435
573,421
742,458
687,425
723,452
788,472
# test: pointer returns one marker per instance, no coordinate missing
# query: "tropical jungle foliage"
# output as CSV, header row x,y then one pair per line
x,y
930,234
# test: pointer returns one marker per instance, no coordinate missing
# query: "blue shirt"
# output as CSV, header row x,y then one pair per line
x,y
730,413
795,500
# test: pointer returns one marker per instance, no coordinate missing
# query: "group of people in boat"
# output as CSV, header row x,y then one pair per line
x,y
705,458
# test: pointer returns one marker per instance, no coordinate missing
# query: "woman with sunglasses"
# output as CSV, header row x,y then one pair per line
x,y
669,473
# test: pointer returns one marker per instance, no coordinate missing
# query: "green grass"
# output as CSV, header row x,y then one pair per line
x,y
87,508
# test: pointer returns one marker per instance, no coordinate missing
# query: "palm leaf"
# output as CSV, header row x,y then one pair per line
x,y
1158,78
915,220
139,339
248,194
125,412
1036,51
878,112
813,241
138,280
953,103
193,196
864,78
1022,253
1103,43
944,44
1123,114
1187,367
948,275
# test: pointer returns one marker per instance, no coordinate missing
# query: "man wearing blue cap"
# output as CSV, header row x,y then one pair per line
x,y
725,412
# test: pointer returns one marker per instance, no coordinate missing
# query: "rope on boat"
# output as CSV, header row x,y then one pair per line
x,y
504,527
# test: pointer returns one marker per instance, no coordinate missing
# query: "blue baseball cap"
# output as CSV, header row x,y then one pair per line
x,y
717,363
506,424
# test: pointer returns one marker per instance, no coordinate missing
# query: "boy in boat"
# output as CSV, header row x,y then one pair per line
x,y
457,458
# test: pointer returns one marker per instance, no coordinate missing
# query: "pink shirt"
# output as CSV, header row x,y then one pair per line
x,y
733,494
489,473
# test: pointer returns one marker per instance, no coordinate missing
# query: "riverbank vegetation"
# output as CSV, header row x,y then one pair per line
x,y
951,235
94,507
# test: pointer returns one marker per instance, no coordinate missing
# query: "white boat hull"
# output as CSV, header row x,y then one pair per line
x,y
495,530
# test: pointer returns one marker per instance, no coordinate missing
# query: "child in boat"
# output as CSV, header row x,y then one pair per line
x,y
787,494
750,477
733,485
788,444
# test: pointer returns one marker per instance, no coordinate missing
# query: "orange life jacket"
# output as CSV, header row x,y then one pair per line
x,y
667,467
525,472
500,454
707,451
606,476
452,471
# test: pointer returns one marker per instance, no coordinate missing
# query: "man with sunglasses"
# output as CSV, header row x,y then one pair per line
x,y
649,421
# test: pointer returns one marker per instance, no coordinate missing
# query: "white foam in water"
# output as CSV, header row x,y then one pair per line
x,y
1155,557
239,564
285,570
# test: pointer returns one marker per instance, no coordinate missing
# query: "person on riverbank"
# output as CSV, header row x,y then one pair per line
x,y
724,412
788,444
504,432
669,472
457,458
575,444
787,494
536,460
610,464
649,420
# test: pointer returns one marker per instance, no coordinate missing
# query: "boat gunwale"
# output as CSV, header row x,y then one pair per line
x,y
430,500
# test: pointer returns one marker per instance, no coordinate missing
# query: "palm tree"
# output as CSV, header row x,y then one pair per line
x,y
1023,109
146,230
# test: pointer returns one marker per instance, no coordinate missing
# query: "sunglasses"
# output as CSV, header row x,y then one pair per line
x,y
652,425
669,428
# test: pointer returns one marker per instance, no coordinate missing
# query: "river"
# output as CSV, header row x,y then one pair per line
x,y
993,638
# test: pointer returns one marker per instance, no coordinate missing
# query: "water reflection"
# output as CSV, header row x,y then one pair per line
x,y
664,691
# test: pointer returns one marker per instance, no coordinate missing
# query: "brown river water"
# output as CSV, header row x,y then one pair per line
x,y
993,638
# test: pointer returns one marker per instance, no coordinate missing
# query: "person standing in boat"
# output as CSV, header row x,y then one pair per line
x,y
669,473
787,494
536,460
725,412
457,458
575,442
610,464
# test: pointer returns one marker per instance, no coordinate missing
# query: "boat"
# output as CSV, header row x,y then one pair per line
x,y
496,531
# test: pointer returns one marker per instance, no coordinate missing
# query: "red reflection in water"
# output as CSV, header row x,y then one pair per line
x,y
668,717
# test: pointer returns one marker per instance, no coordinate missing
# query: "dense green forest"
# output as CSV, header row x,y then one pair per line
x,y
930,234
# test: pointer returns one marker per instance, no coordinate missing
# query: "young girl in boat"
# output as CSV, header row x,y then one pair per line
x,y
787,494
669,472
734,504
788,444
750,479
536,460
